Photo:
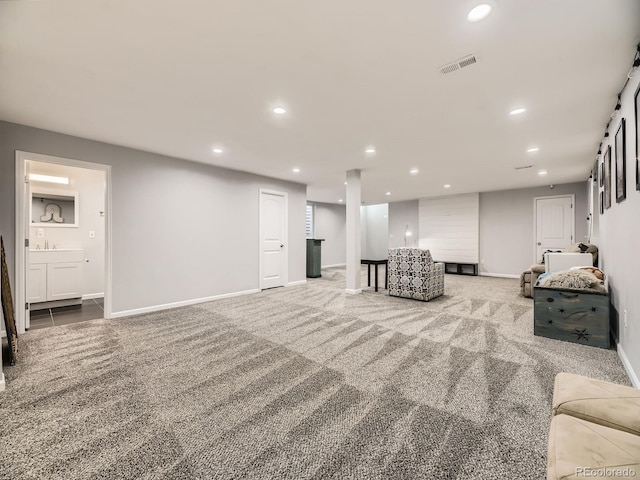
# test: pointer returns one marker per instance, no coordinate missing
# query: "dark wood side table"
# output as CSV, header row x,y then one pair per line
x,y
384,262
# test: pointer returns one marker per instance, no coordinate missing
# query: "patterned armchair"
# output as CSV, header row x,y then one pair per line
x,y
414,274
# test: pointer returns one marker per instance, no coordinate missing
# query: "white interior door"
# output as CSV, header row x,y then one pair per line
x,y
555,224
273,236
42,273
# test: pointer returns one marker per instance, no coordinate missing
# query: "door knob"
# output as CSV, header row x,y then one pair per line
x,y
281,245
539,243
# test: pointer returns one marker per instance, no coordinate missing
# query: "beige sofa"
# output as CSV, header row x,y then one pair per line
x,y
595,430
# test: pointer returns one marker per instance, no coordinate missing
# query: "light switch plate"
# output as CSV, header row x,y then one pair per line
x,y
92,234
40,233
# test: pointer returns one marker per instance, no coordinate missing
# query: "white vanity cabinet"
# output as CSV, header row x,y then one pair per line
x,y
55,278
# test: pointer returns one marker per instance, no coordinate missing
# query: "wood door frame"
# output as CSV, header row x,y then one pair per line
x,y
22,256
285,274
572,196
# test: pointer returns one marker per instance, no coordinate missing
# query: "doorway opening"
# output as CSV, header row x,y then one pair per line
x,y
63,258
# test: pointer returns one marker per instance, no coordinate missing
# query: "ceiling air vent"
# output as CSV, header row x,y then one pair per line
x,y
523,167
458,64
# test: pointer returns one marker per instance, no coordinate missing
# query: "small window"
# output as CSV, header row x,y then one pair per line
x,y
309,222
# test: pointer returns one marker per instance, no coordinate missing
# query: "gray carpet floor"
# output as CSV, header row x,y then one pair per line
x,y
295,383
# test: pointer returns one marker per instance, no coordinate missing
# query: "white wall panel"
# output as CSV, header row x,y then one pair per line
x,y
449,227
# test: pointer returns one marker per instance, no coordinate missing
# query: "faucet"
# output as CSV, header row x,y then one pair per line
x,y
46,244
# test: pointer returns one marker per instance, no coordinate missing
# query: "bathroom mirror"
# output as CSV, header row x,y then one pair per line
x,y
51,208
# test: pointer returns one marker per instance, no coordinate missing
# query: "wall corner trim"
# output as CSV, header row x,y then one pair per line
x,y
627,366
297,283
353,292
184,303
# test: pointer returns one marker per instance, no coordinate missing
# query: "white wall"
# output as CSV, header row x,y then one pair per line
x,y
449,227
619,230
506,226
330,223
401,216
89,184
181,230
375,231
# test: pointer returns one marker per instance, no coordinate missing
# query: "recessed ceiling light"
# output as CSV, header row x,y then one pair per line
x,y
341,200
479,12
48,178
446,185
217,150
279,110
296,170
532,149
517,111
388,193
345,183
542,173
370,150
414,171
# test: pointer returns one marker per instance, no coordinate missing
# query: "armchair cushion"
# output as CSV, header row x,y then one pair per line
x,y
414,274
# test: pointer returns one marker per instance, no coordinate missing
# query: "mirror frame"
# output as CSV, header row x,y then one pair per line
x,y
37,191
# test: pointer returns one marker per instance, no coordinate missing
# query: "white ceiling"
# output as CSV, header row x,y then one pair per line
x,y
180,77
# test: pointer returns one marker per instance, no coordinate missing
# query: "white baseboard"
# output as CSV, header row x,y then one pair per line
x,y
334,265
91,296
295,284
353,292
184,303
627,366
498,275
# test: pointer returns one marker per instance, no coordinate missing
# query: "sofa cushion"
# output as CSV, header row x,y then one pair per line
x,y
608,404
581,449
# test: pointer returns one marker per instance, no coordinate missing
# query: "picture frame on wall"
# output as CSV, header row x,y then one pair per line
x,y
637,130
607,177
602,174
621,177
601,202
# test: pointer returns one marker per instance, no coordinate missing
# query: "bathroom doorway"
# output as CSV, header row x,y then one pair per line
x,y
62,219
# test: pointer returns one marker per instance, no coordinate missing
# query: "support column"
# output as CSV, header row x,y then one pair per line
x,y
353,231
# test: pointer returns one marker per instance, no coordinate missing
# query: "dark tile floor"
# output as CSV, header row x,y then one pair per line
x,y
89,310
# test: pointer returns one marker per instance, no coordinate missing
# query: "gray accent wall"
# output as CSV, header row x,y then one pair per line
x,y
506,226
401,215
330,223
181,230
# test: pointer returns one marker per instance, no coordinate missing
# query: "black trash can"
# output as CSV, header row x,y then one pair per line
x,y
313,257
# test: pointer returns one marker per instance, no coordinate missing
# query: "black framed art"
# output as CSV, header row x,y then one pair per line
x,y
601,177
621,176
601,202
637,129
607,177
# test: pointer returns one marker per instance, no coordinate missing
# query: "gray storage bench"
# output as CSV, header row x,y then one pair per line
x,y
578,316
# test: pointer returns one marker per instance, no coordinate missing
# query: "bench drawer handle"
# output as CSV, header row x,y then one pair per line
x,y
568,295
